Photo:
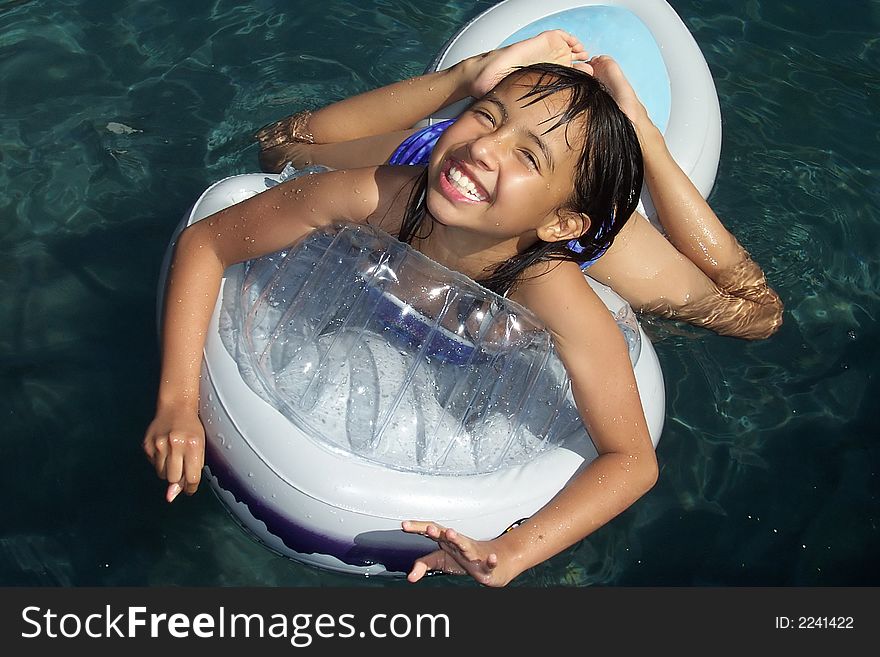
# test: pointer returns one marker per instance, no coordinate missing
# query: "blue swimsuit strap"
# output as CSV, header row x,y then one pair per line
x,y
416,150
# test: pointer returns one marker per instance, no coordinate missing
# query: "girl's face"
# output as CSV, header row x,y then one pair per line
x,y
495,173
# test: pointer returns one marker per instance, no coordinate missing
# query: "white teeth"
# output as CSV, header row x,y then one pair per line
x,y
464,184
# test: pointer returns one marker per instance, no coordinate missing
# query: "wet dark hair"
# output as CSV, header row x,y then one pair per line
x,y
608,174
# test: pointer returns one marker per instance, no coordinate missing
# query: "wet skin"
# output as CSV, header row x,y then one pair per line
x,y
512,177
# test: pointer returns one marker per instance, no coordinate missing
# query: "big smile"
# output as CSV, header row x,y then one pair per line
x,y
459,182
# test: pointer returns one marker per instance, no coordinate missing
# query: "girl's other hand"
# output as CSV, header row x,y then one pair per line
x,y
606,69
458,555
554,46
175,445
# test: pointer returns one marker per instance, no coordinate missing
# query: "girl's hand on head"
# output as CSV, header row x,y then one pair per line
x,y
175,445
458,555
606,69
554,46
586,67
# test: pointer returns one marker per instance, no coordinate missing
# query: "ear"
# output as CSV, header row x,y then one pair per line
x,y
565,226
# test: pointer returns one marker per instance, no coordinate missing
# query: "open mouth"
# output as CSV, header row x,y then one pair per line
x,y
458,181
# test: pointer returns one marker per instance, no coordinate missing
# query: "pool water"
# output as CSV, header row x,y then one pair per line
x,y
116,115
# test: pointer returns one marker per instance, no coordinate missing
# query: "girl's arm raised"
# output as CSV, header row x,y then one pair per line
x,y
263,224
362,130
371,124
700,274
603,384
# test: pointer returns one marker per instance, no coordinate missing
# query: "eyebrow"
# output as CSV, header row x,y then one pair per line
x,y
542,145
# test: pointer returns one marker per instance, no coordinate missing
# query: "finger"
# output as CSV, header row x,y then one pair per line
x,y
413,526
461,542
435,531
455,543
191,483
192,467
177,448
443,561
160,456
420,527
492,561
574,44
172,492
585,67
418,571
568,36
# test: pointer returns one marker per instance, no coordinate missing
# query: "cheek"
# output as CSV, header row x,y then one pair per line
x,y
560,191
457,133
439,152
527,190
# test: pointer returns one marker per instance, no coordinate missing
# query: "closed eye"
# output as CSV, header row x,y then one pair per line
x,y
530,159
486,115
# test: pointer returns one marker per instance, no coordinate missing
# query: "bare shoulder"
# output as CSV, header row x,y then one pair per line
x,y
284,214
583,329
394,187
366,194
560,295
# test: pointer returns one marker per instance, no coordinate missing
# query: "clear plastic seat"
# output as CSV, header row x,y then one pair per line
x,y
370,347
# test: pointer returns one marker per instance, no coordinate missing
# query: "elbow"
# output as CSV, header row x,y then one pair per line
x,y
650,473
764,318
753,316
195,242
188,240
772,321
644,475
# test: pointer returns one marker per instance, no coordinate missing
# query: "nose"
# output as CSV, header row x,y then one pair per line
x,y
486,151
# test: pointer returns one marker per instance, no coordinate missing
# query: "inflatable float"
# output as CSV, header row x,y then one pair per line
x,y
349,382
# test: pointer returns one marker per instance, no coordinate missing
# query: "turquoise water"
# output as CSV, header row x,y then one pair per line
x,y
770,466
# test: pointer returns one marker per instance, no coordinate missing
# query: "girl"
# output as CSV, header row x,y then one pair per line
x,y
697,273
543,158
